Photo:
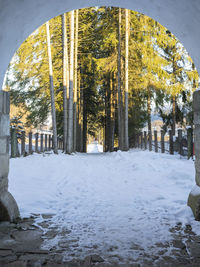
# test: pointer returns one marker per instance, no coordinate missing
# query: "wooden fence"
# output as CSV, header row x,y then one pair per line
x,y
160,142
22,145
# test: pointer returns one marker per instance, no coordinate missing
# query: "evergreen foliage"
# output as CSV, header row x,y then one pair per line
x,y
160,71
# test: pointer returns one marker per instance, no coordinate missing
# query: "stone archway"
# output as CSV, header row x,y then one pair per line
x,y
20,18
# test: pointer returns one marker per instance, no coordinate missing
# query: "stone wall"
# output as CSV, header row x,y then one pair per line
x,y
8,207
194,197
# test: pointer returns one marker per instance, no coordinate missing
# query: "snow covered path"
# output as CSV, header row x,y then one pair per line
x,y
108,202
94,148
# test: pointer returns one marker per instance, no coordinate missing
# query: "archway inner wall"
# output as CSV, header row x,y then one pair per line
x,y
8,207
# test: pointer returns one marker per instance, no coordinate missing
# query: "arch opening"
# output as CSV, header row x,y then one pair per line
x,y
172,86
195,204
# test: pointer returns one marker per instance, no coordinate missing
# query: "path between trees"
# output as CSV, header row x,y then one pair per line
x,y
123,207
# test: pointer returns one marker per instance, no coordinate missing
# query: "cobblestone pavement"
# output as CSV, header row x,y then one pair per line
x,y
20,246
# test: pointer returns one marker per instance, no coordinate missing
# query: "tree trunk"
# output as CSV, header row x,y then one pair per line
x,y
149,108
111,112
84,124
78,136
106,121
65,79
119,83
71,87
75,80
81,115
112,126
53,109
122,118
107,113
174,115
126,145
174,100
194,81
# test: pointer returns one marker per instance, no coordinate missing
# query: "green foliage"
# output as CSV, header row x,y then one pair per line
x,y
158,64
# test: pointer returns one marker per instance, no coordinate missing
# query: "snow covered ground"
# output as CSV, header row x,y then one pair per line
x,y
108,202
94,148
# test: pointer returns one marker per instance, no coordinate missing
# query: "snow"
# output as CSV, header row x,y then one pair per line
x,y
106,199
174,138
94,147
188,127
195,190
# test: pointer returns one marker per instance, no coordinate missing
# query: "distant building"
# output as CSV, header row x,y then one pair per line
x,y
156,125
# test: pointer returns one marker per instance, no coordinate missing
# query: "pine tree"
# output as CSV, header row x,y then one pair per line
x,y
126,145
65,80
71,86
53,111
119,108
102,53
75,80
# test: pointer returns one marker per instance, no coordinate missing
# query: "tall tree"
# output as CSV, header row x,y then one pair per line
x,y
71,86
108,85
53,110
149,68
65,79
126,145
75,80
88,55
80,115
119,108
112,111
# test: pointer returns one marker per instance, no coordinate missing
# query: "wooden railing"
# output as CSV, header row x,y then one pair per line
x,y
24,145
160,142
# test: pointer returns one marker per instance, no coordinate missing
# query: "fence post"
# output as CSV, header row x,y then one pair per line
x,y
13,143
135,140
145,140
36,143
156,141
141,134
49,146
138,140
23,143
171,142
162,141
150,140
45,148
62,145
180,136
190,142
41,143
52,142
30,150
